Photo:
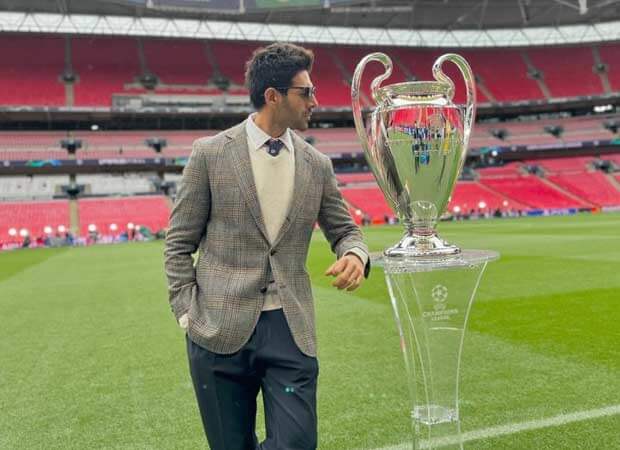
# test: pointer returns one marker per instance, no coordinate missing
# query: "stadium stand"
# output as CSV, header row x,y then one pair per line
x,y
559,165
107,144
533,192
347,58
148,211
420,63
355,178
125,184
20,146
596,187
610,56
33,81
568,72
509,170
507,77
181,62
105,66
468,195
613,158
332,91
26,187
230,58
32,216
108,66
370,200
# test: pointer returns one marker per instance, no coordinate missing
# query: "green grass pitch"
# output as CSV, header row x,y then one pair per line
x,y
90,356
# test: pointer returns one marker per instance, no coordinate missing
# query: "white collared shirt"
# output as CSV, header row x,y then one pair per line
x,y
257,138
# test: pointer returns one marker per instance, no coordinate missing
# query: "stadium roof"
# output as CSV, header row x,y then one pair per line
x,y
407,14
437,23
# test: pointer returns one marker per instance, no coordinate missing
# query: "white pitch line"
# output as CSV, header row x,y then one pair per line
x,y
512,428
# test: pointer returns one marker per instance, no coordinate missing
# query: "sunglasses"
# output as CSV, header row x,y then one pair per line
x,y
306,91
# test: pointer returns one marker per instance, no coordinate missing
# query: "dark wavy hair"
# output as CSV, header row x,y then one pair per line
x,y
274,66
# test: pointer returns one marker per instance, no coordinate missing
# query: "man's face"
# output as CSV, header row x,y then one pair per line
x,y
296,107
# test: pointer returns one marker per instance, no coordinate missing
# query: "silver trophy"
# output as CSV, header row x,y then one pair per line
x,y
415,144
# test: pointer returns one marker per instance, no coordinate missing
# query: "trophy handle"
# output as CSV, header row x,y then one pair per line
x,y
355,91
470,85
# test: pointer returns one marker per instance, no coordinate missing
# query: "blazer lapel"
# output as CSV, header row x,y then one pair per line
x,y
237,148
302,180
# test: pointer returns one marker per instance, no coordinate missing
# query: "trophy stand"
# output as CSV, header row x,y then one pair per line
x,y
431,298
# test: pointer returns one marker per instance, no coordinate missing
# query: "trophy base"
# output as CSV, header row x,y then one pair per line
x,y
434,414
416,246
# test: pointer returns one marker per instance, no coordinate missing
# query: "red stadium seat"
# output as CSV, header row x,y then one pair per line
x,y
33,216
111,65
556,165
567,71
595,187
332,88
29,80
469,195
353,178
149,211
509,170
178,61
370,200
533,192
610,56
504,73
103,66
231,58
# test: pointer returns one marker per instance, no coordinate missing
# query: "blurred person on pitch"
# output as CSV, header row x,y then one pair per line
x,y
248,201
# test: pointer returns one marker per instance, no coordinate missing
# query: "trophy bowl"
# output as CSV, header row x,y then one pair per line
x,y
415,141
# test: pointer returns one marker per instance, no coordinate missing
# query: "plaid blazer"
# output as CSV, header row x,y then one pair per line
x,y
217,213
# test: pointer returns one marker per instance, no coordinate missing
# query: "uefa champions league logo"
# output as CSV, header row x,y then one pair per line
x,y
439,294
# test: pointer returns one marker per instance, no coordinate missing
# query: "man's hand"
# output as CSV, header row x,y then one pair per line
x,y
349,271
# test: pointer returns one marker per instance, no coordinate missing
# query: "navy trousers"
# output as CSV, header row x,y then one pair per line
x,y
226,388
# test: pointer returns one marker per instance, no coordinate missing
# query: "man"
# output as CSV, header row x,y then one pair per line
x,y
249,199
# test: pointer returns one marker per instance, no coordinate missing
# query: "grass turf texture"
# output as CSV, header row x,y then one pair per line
x,y
90,356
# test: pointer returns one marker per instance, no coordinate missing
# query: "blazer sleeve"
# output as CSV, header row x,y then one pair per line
x,y
187,227
335,221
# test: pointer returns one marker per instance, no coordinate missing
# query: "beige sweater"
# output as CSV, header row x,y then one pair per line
x,y
274,177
